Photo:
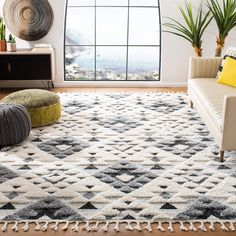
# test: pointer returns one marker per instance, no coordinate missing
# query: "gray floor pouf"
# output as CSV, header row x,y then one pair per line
x,y
15,124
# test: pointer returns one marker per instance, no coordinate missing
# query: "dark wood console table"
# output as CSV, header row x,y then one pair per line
x,y
28,65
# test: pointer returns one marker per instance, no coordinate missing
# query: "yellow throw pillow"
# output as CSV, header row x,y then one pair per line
x,y
228,75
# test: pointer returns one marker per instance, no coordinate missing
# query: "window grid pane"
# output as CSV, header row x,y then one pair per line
x,y
80,63
111,63
114,21
112,2
81,27
143,63
127,53
145,3
144,26
78,3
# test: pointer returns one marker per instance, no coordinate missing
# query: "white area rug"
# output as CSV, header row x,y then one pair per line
x,y
112,158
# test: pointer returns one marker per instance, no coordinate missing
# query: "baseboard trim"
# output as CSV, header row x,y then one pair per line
x,y
119,84
95,84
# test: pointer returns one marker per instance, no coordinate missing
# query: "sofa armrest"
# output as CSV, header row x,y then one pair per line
x,y
202,67
229,123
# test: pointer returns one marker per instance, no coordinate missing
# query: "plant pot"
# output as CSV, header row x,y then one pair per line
x,y
3,45
11,47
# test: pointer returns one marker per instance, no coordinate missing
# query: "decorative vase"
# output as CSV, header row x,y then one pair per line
x,y
11,47
2,45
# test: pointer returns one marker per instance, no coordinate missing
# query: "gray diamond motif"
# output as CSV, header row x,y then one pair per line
x,y
63,147
166,107
50,207
120,124
6,174
204,207
165,195
89,195
181,146
75,106
118,96
123,145
12,195
125,176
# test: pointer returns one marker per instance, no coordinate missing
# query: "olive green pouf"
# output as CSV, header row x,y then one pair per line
x,y
44,107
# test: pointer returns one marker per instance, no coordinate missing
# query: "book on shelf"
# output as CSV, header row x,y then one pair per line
x,y
42,48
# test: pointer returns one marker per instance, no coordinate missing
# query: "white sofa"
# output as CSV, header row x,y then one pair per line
x,y
215,102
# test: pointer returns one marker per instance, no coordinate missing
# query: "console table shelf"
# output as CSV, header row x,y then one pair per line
x,y
28,65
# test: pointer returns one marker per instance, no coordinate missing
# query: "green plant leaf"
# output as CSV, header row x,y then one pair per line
x,y
194,26
225,16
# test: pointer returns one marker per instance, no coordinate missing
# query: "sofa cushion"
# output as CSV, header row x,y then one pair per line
x,y
230,52
211,95
228,75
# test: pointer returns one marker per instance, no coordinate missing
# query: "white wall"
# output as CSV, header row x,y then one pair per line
x,y
175,51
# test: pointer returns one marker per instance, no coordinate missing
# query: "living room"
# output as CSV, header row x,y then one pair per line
x,y
117,116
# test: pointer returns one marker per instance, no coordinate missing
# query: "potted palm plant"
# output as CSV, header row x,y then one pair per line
x,y
194,26
225,18
2,36
11,44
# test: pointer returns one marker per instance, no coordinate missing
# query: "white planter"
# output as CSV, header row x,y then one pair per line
x,y
11,47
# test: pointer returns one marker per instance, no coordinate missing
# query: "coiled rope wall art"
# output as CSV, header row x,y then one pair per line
x,y
29,20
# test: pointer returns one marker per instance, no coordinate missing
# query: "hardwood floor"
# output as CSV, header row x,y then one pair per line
x,y
4,92
111,232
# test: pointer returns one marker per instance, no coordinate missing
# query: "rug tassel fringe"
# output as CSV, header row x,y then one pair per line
x,y
183,227
192,227
4,227
75,227
129,226
148,227
44,227
223,227
212,227
138,227
170,227
95,227
86,227
116,228
231,227
160,227
202,227
15,227
65,227
55,226
25,228
105,227
37,227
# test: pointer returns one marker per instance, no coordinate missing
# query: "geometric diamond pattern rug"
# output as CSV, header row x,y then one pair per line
x,y
119,157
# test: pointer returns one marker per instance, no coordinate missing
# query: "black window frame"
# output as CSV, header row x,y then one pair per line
x,y
126,45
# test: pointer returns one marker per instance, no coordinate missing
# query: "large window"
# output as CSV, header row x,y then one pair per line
x,y
112,40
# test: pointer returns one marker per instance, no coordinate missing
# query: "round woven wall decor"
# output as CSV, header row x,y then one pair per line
x,y
28,19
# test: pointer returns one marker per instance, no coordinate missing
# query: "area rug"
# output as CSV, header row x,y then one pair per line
x,y
141,159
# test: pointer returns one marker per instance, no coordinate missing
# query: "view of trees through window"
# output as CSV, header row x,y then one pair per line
x,y
112,40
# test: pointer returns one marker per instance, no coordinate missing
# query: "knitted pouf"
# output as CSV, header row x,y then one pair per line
x,y
15,124
44,107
